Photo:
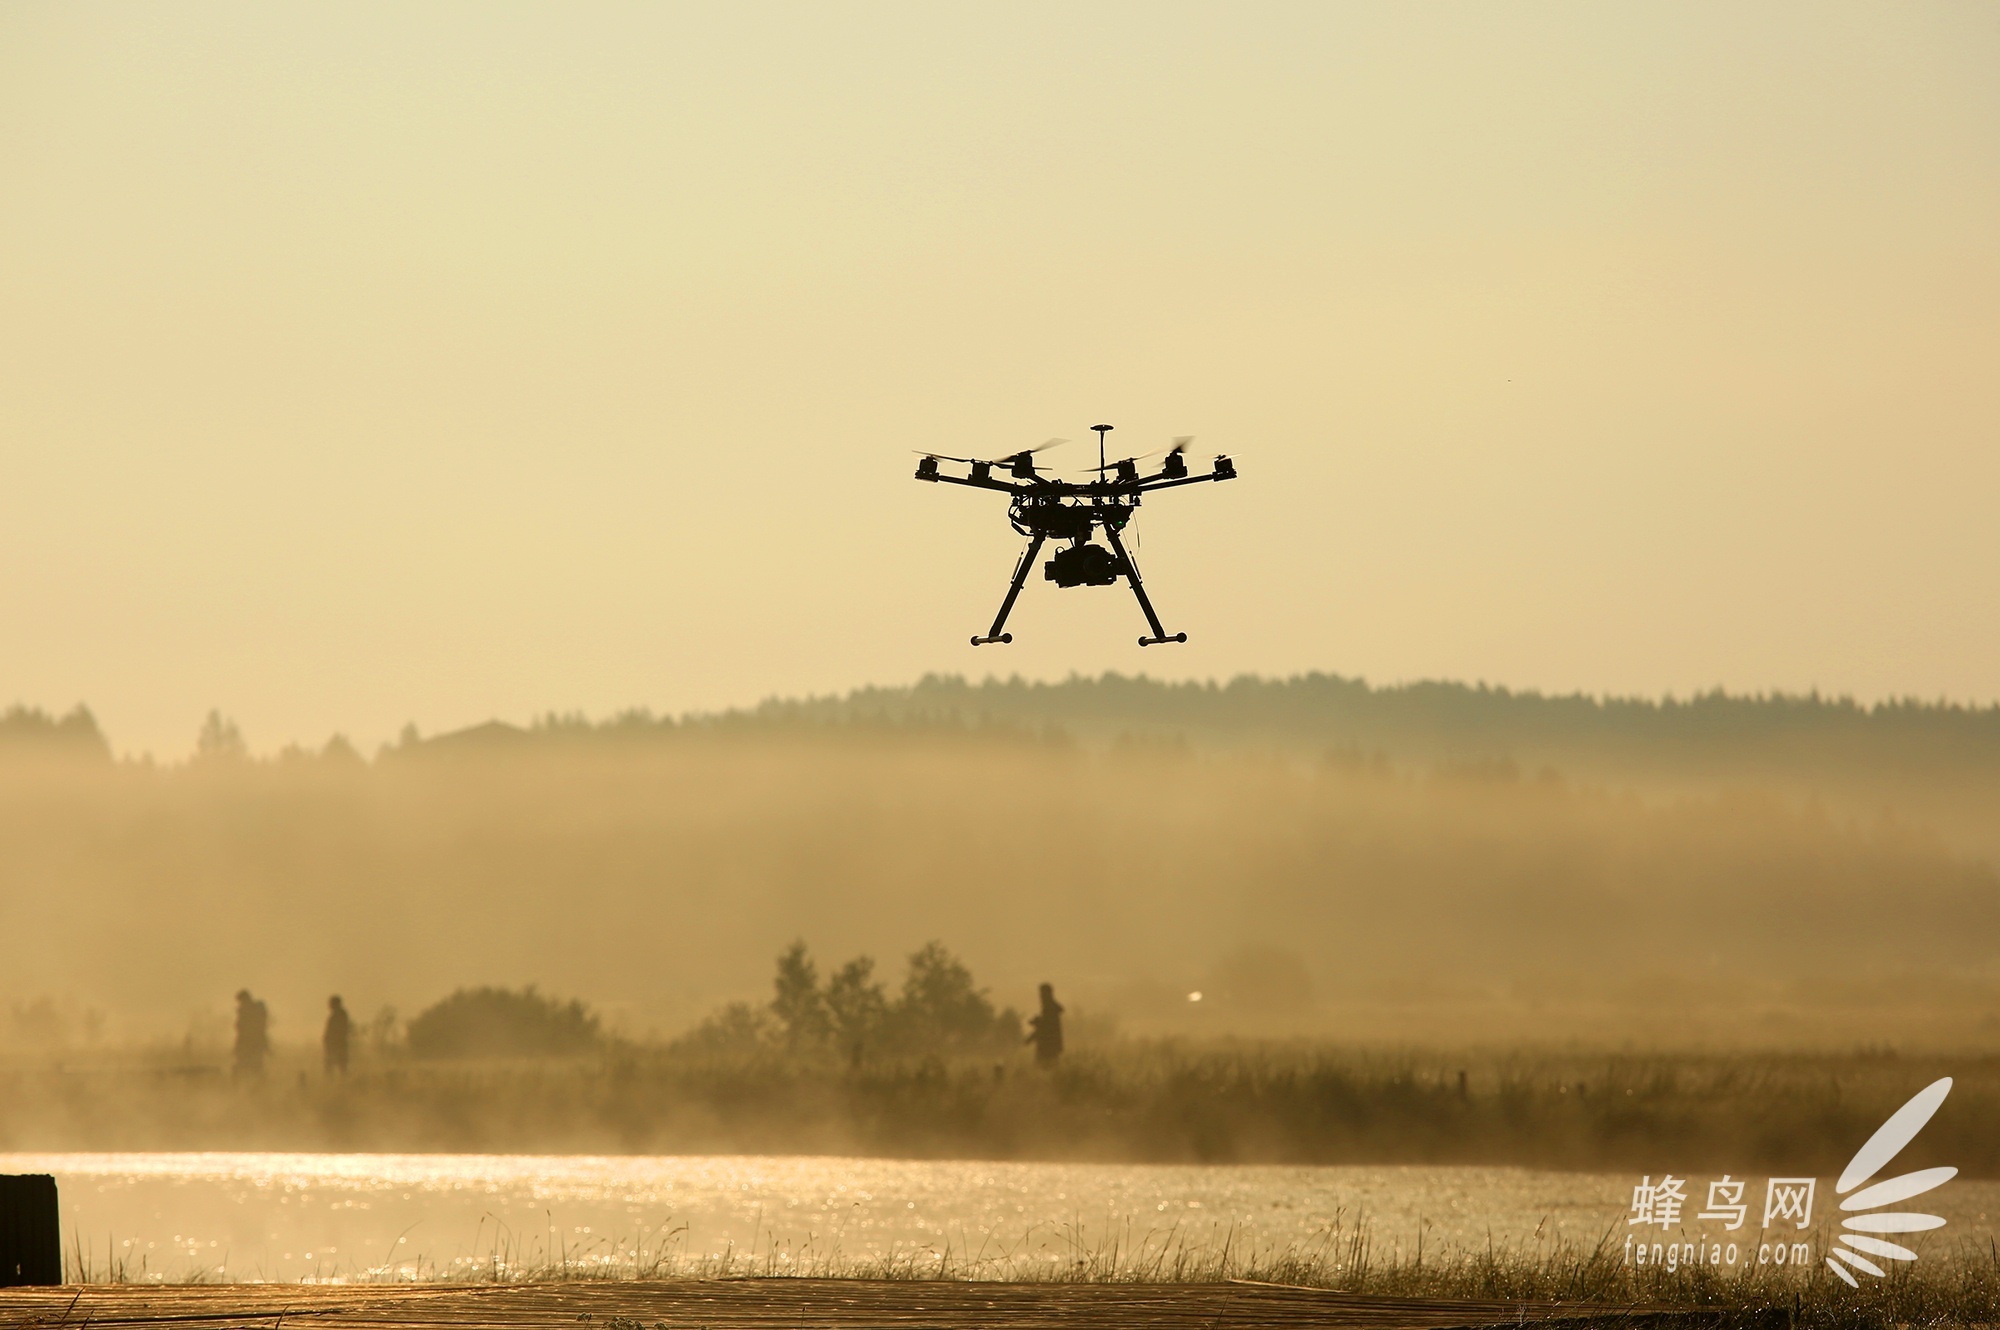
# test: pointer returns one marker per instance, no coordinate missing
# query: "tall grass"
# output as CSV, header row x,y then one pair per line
x,y
1955,1286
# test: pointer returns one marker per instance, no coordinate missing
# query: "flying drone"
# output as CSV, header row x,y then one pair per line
x,y
1044,509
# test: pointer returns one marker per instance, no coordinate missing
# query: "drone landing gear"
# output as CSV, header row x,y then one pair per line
x,y
1160,634
997,634
994,634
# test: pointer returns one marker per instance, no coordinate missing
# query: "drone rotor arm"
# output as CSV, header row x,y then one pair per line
x,y
1163,481
989,483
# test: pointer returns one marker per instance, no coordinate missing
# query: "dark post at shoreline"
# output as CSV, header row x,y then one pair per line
x,y
30,1236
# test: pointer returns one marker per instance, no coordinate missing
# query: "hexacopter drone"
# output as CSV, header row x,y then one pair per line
x,y
1044,509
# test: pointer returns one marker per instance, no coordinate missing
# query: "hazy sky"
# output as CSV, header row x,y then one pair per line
x,y
362,364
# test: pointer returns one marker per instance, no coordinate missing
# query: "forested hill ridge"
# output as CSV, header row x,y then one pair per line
x,y
1436,719
1934,765
1429,721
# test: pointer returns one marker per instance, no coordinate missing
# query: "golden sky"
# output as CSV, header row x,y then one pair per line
x,y
372,363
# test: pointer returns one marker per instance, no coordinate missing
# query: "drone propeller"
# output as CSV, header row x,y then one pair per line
x,y
1181,441
1009,459
1026,453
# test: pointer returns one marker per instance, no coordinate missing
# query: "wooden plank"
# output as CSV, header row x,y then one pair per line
x,y
771,1304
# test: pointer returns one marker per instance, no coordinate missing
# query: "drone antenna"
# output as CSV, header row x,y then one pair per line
x,y
1102,430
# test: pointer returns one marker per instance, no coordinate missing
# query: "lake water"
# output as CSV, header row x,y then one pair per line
x,y
305,1216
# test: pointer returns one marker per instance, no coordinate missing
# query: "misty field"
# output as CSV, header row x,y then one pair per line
x,y
1419,866
1735,928
1802,1114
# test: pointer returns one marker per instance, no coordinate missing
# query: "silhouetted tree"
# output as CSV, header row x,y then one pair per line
x,y
941,1011
28,731
737,1028
500,1022
796,1002
856,1006
220,740
340,752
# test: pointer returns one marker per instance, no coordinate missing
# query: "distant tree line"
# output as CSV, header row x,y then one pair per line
x,y
1431,718
1424,719
32,731
938,1011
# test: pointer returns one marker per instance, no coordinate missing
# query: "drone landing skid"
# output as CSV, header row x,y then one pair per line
x,y
995,634
1160,635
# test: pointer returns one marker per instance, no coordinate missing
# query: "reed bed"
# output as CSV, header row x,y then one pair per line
x,y
1952,1285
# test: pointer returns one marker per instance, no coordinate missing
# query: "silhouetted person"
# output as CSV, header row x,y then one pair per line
x,y
1045,1029
334,1041
253,1034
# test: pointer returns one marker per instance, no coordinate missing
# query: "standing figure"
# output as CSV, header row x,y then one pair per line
x,y
334,1042
1045,1029
253,1034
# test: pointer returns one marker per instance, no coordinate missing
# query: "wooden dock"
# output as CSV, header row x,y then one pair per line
x,y
773,1304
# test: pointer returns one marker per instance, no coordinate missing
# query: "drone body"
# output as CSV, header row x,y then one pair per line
x,y
1044,509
